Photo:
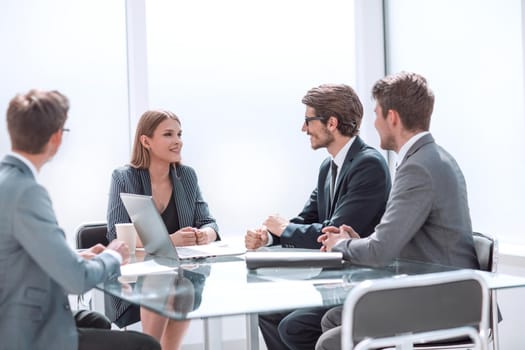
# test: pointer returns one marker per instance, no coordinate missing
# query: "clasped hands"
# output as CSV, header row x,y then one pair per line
x,y
189,236
331,235
256,238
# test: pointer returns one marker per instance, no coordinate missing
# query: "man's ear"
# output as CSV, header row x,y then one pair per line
x,y
332,123
56,138
393,117
53,144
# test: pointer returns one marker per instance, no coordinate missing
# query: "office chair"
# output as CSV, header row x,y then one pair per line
x,y
89,234
487,251
417,309
86,236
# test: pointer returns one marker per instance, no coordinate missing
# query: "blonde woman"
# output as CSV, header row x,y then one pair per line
x,y
155,169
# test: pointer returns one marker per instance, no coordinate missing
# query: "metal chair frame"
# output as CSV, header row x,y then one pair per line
x,y
463,294
491,265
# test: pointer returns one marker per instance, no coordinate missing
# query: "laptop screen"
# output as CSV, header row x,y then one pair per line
x,y
149,225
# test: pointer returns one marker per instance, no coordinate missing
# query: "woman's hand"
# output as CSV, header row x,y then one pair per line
x,y
184,236
205,235
201,236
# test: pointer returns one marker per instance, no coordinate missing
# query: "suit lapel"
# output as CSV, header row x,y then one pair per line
x,y
181,199
145,181
356,147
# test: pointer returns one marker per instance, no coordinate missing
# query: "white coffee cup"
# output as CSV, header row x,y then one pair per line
x,y
126,232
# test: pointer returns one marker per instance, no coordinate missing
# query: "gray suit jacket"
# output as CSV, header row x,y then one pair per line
x,y
427,215
37,266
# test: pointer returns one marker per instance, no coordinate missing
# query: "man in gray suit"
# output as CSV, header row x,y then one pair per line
x,y
37,267
427,215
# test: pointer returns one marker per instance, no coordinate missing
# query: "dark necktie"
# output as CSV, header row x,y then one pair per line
x,y
332,184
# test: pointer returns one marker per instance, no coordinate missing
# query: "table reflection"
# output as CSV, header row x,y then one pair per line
x,y
219,287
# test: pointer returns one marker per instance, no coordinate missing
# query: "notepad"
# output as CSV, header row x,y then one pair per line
x,y
256,260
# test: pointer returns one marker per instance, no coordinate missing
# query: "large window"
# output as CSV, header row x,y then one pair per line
x,y
78,48
235,73
471,52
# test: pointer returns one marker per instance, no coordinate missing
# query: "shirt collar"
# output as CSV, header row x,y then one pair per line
x,y
26,161
404,149
341,155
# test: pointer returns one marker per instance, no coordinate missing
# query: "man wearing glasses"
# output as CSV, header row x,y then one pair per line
x,y
353,187
37,267
427,216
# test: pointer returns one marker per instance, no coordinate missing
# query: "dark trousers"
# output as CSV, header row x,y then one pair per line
x,y
94,332
296,330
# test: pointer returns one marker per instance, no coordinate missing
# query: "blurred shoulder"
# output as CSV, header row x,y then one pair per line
x,y
371,155
185,171
127,172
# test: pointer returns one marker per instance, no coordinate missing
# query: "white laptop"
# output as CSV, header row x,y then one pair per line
x,y
154,235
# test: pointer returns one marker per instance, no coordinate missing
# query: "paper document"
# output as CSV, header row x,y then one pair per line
x,y
144,268
209,250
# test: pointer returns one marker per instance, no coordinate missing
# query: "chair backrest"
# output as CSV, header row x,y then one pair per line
x,y
435,302
487,251
91,233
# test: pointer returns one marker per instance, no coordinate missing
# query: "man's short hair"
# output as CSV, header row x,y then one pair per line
x,y
339,101
33,117
409,95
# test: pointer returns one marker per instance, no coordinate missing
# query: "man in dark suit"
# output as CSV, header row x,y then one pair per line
x,y
37,267
427,216
353,186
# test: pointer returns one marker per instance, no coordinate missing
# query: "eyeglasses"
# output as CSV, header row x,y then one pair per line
x,y
309,119
65,130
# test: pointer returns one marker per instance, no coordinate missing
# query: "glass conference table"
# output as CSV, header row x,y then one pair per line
x,y
223,286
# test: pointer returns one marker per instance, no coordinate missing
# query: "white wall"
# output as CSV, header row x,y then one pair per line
x,y
79,49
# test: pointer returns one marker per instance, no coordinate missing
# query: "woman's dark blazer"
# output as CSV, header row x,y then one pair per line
x,y
191,208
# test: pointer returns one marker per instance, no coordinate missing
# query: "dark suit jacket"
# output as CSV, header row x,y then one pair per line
x,y
38,268
360,197
192,211
427,216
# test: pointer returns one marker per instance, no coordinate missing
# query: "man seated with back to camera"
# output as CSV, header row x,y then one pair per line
x,y
353,186
37,266
427,216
